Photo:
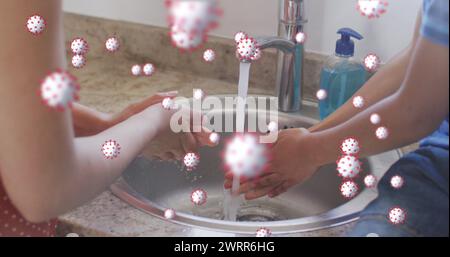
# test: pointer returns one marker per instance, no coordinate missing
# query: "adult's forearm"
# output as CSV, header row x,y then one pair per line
x,y
384,83
359,127
413,112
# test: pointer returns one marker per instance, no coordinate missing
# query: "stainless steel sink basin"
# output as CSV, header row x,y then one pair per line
x,y
152,186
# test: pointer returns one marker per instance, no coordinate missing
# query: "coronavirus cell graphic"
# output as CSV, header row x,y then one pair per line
x,y
59,90
321,94
375,119
136,70
272,127
382,133
78,61
257,55
372,8
263,232
371,62
199,196
186,41
397,215
358,102
348,166
214,138
370,181
191,161
148,69
350,146
248,50
349,189
190,21
112,44
245,156
240,36
167,103
209,55
111,149
36,24
198,15
300,37
198,94
79,46
397,182
169,214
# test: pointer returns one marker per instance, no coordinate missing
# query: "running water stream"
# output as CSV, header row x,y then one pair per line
x,y
232,198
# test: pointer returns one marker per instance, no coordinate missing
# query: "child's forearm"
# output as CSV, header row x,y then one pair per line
x,y
90,172
87,121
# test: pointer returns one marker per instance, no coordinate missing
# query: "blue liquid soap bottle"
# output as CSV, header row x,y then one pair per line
x,y
341,75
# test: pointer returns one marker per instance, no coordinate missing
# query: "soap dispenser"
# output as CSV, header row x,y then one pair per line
x,y
341,75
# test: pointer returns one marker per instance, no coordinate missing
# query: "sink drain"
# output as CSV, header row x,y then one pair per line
x,y
259,214
255,218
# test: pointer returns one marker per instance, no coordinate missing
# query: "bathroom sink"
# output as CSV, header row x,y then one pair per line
x,y
153,186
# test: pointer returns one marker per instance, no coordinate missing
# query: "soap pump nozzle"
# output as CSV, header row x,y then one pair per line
x,y
345,46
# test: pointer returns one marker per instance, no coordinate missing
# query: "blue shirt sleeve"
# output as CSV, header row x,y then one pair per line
x,y
434,27
435,21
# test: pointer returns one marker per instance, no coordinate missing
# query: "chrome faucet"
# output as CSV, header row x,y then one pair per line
x,y
289,78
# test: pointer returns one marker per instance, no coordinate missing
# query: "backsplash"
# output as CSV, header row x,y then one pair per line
x,y
143,43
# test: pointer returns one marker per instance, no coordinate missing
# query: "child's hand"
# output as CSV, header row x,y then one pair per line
x,y
292,163
168,145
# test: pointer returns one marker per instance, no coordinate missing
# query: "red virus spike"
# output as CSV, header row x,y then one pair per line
x,y
190,22
79,46
111,149
245,156
382,133
349,189
148,69
397,182
36,24
397,215
371,62
191,161
199,196
78,61
59,89
370,181
263,232
372,8
350,146
112,44
348,166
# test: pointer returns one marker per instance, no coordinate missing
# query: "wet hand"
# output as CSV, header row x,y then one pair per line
x,y
169,145
292,163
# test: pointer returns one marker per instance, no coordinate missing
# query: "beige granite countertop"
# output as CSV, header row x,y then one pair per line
x,y
107,85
